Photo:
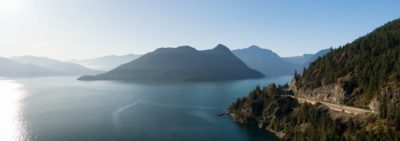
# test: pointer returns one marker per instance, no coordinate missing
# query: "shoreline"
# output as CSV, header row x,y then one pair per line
x,y
279,134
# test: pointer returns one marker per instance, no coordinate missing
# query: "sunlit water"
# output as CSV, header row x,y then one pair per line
x,y
63,109
12,125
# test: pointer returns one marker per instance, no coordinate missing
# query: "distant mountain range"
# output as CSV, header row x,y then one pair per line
x,y
31,66
299,60
262,60
63,68
107,62
265,61
182,64
306,59
271,64
9,68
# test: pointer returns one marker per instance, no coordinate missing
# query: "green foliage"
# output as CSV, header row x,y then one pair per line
x,y
367,68
258,100
372,61
272,107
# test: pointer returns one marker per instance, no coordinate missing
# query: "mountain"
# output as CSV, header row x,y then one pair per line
x,y
107,62
317,55
305,60
265,61
362,74
9,68
299,60
182,64
359,71
63,68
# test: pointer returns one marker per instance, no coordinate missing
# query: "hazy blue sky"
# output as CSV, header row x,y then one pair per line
x,y
66,29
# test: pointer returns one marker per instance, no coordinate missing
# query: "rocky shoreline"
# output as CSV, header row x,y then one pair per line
x,y
279,134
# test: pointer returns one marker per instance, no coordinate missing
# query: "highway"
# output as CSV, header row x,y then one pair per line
x,y
337,107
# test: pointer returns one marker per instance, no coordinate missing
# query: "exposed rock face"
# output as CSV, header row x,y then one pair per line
x,y
374,104
393,94
333,93
388,100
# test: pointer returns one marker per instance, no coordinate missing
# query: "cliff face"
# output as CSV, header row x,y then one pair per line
x,y
388,103
336,93
333,93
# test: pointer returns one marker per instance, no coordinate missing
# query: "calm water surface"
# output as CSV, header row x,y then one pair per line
x,y
63,109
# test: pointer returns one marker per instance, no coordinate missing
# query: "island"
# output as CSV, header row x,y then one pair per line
x,y
183,63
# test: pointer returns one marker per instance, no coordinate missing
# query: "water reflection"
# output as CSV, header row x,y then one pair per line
x,y
12,126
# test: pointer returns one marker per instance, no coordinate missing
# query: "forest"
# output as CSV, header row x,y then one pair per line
x,y
365,67
272,109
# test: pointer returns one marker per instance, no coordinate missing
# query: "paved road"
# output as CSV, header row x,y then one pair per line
x,y
337,107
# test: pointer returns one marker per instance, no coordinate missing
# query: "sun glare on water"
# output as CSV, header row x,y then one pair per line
x,y
11,125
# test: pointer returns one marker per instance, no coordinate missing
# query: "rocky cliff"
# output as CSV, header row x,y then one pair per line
x,y
333,93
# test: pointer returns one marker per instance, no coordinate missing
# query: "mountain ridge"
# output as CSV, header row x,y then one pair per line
x,y
64,68
183,63
105,63
265,61
10,68
271,64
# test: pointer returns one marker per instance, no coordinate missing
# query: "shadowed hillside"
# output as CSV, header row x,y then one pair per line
x,y
182,64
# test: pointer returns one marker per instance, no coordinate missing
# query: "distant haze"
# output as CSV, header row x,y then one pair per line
x,y
106,63
76,29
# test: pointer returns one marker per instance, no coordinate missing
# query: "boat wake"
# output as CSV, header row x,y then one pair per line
x,y
116,114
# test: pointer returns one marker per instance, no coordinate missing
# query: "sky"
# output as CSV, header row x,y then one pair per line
x,y
79,29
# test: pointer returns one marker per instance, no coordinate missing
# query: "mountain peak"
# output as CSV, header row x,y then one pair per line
x,y
254,47
257,48
177,49
264,60
186,48
221,47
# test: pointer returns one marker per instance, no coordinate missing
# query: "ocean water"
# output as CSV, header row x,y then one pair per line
x,y
64,109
